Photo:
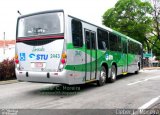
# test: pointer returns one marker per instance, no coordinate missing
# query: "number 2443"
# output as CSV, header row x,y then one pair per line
x,y
55,56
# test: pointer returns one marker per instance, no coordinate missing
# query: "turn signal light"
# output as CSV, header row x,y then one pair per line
x,y
64,55
63,61
16,56
16,61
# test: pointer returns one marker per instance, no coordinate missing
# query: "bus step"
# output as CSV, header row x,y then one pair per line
x,y
124,73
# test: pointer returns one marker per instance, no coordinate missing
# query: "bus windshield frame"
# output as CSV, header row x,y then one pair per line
x,y
40,24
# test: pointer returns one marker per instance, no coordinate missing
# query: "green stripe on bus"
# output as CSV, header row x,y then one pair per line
x,y
83,49
118,58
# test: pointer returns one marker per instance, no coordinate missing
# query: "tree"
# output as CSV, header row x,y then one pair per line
x,y
156,26
155,34
156,17
132,18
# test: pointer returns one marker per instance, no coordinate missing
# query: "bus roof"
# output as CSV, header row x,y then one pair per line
x,y
42,12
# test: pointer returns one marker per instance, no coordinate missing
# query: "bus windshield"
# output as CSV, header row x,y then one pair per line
x,y
41,24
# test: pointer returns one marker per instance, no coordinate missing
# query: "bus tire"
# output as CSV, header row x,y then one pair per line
x,y
102,77
136,72
113,74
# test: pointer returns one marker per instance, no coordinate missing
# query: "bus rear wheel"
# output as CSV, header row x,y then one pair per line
x,y
113,74
102,77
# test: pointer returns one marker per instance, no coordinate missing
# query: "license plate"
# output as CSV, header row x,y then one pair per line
x,y
38,65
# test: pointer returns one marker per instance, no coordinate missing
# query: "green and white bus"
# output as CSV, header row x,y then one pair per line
x,y
54,47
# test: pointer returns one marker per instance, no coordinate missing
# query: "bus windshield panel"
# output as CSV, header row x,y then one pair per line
x,y
41,24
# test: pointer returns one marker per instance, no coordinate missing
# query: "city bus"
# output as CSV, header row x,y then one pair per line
x,y
54,47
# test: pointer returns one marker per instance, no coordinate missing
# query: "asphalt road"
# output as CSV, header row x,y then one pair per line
x,y
141,91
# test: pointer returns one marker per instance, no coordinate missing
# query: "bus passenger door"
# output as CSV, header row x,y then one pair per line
x,y
125,55
90,55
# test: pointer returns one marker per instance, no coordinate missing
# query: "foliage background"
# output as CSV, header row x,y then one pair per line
x,y
7,69
137,19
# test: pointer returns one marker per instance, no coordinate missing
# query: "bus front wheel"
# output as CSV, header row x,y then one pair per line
x,y
102,77
113,74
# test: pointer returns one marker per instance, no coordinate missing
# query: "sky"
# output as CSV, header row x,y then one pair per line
x,y
88,10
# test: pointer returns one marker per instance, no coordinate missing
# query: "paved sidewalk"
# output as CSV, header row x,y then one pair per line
x,y
8,82
156,109
151,68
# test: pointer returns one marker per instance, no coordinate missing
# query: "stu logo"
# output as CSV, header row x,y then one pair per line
x,y
38,56
32,56
22,57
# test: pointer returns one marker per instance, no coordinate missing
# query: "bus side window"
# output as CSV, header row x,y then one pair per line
x,y
93,39
88,44
119,44
77,38
113,40
124,46
104,45
102,39
131,47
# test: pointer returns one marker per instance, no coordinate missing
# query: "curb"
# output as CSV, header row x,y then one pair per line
x,y
8,82
156,106
151,68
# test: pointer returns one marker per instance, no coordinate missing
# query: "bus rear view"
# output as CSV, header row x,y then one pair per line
x,y
40,52
54,47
